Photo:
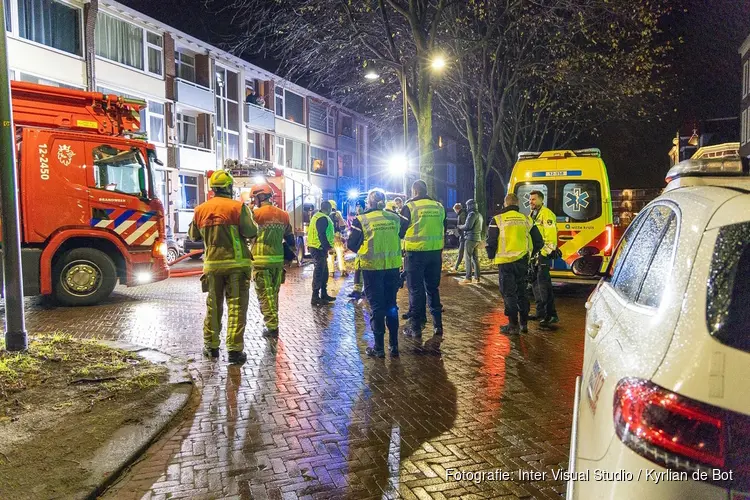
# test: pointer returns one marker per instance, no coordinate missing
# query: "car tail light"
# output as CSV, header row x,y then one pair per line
x,y
610,242
159,249
683,434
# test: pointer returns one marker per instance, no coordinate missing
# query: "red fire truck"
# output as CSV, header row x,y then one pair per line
x,y
88,210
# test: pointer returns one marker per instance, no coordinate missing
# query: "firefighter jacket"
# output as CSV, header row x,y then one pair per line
x,y
315,228
427,224
545,220
512,236
376,238
274,231
224,225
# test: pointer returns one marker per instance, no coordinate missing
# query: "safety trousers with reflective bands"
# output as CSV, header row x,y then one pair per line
x,y
267,285
234,286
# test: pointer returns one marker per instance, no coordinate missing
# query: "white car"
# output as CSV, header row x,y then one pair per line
x,y
662,408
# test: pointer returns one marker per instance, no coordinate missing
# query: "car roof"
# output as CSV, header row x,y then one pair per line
x,y
698,204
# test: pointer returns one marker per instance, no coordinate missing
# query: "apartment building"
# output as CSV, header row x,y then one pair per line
x,y
196,112
745,102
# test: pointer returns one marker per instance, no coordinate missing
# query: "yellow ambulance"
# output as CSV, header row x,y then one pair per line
x,y
576,188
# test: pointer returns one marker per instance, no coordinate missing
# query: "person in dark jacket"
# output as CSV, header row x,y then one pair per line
x,y
472,230
461,214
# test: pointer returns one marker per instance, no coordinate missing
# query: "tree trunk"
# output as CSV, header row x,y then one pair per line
x,y
480,183
426,143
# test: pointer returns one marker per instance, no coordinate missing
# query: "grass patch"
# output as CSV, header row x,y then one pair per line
x,y
451,255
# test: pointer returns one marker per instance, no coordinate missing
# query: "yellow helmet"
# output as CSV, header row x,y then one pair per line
x,y
221,179
333,204
390,205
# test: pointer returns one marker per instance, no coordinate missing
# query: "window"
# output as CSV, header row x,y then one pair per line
x,y
280,151
50,23
228,111
347,126
635,264
188,192
743,132
728,291
25,77
279,92
745,78
8,24
347,165
119,41
156,122
323,161
450,175
122,171
322,118
658,274
296,155
624,246
294,107
571,201
451,197
160,186
256,146
185,66
155,49
187,130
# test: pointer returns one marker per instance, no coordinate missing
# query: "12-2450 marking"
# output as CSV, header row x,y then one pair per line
x,y
43,162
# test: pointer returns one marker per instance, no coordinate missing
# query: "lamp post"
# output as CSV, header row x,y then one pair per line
x,y
222,101
15,326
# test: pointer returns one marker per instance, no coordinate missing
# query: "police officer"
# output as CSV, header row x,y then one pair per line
x,y
358,282
224,225
511,240
545,220
320,242
274,233
423,244
376,237
339,226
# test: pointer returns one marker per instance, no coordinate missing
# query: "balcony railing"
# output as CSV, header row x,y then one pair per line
x,y
193,158
194,95
259,118
348,143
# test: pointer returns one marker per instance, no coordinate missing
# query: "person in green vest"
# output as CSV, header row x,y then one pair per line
x,y
376,238
423,243
320,242
225,225
512,238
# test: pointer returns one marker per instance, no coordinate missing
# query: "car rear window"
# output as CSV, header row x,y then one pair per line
x,y
572,201
727,311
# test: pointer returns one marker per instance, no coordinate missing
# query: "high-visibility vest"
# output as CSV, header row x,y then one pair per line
x,y
381,246
313,239
273,224
514,236
546,221
426,231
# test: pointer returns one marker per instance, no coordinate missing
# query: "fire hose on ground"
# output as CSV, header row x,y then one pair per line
x,y
184,273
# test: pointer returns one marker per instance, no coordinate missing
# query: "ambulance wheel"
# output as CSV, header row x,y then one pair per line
x,y
83,277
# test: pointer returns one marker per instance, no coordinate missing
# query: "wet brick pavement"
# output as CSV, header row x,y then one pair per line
x,y
310,416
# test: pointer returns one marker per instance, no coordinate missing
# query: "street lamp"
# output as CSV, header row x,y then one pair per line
x,y
399,165
438,63
372,75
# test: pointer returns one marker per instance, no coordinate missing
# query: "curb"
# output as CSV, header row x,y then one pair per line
x,y
132,441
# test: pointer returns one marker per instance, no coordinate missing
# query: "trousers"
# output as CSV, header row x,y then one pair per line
x,y
513,278
461,252
381,288
357,276
234,286
423,270
472,258
267,285
542,287
320,271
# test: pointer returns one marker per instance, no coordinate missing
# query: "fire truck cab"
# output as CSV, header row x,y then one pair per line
x,y
89,215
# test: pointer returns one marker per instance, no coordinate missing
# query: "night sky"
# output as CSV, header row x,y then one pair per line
x,y
706,69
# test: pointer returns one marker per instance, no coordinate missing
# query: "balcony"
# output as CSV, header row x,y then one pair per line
x,y
348,143
195,96
197,159
258,118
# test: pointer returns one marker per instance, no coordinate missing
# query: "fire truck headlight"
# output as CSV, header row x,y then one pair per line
x,y
143,277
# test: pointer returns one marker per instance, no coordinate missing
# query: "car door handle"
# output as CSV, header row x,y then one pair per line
x,y
593,328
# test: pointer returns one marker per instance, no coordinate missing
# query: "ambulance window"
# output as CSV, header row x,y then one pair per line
x,y
581,201
523,191
121,170
728,291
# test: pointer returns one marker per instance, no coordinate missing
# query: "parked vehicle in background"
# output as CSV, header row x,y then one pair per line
x,y
173,248
89,213
576,188
662,400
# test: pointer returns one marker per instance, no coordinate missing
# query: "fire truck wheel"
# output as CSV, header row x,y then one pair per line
x,y
83,277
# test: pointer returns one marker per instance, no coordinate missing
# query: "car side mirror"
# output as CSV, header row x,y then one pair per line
x,y
588,266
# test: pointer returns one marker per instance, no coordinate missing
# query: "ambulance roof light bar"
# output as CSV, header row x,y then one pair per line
x,y
529,155
708,167
595,152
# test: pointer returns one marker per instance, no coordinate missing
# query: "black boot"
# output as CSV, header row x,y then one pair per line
x,y
325,298
210,352
377,350
237,357
315,301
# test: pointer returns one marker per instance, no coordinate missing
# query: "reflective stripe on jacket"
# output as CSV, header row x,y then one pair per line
x,y
273,226
224,225
381,248
514,238
313,239
546,221
426,230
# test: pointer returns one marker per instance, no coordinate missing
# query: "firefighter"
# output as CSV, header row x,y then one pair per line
x,y
224,225
546,221
376,237
320,242
358,282
423,244
339,226
511,240
274,234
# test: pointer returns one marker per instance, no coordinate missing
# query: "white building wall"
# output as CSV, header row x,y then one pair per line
x,y
41,61
109,74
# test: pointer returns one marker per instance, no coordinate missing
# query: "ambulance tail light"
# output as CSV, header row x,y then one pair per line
x,y
610,240
682,434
